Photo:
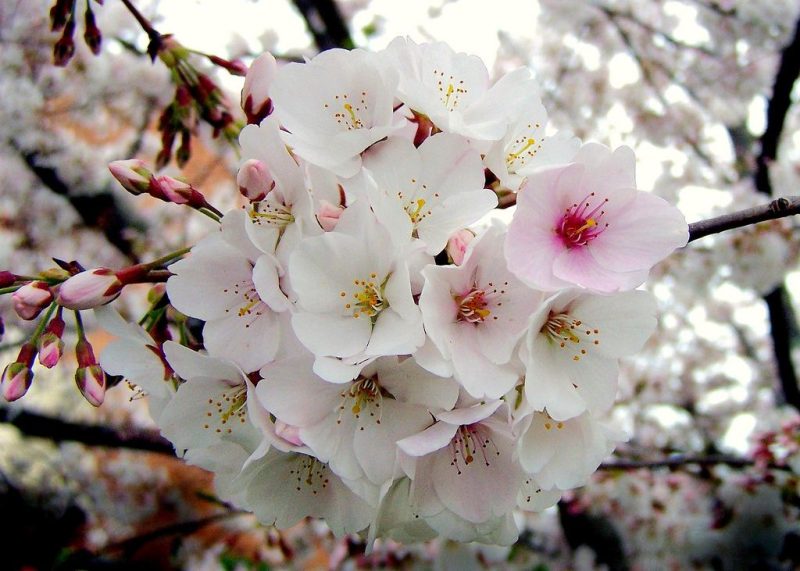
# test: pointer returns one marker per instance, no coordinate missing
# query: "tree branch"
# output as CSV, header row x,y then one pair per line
x,y
778,208
100,210
325,22
781,315
680,461
57,430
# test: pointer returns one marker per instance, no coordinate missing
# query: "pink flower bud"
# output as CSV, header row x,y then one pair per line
x,y
255,93
254,180
173,190
91,382
457,245
31,299
18,376
17,379
328,215
50,349
234,67
50,344
89,289
132,174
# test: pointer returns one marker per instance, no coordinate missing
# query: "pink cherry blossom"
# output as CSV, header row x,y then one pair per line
x,y
585,224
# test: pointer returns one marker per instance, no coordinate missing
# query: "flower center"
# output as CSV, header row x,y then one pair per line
x,y
272,213
251,304
523,148
309,472
472,306
566,331
579,225
227,407
367,298
471,442
350,115
450,90
365,394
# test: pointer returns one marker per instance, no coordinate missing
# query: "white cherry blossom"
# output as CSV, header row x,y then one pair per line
x,y
428,192
573,344
354,297
454,91
335,106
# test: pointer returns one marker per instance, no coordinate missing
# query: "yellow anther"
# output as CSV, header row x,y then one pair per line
x,y
514,156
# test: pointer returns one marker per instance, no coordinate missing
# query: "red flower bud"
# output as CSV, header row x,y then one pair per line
x,y
7,278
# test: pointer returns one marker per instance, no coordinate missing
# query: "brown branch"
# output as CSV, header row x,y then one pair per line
x,y
57,430
782,320
778,208
681,461
99,210
324,21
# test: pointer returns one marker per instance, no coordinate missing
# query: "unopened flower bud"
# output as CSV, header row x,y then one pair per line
x,y
50,344
254,180
7,278
234,67
255,93
91,382
457,245
17,379
64,48
89,289
31,299
18,376
172,190
91,34
328,215
132,174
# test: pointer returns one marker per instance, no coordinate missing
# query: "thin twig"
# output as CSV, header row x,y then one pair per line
x,y
681,461
778,208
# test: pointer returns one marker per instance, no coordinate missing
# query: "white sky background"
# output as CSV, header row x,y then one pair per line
x,y
236,27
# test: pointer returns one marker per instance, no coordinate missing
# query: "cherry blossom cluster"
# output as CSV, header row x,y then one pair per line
x,y
371,354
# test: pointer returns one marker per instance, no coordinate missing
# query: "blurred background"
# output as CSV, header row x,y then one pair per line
x,y
703,90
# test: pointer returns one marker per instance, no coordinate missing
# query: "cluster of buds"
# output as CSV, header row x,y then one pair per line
x,y
197,97
137,179
62,19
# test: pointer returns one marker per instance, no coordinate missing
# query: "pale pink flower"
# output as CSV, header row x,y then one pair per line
x,y
585,224
463,460
474,314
